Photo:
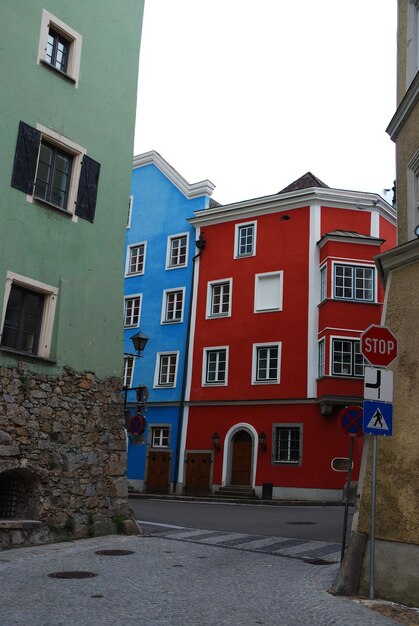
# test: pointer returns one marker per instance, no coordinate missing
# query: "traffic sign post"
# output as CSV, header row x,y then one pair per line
x,y
379,348
379,345
350,422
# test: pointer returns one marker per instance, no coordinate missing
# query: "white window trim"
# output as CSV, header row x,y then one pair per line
x,y
279,273
75,42
131,297
155,427
125,371
210,285
130,203
341,338
169,247
77,152
156,384
48,313
236,239
128,258
205,362
166,292
323,272
319,343
355,264
254,363
413,196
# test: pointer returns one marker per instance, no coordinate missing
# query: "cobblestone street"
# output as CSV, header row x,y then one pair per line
x,y
170,582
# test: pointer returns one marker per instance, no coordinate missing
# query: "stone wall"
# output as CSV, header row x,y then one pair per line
x,y
62,438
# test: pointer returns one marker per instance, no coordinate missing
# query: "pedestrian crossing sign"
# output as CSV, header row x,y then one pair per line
x,y
377,418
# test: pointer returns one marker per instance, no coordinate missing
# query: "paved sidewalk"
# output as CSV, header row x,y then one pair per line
x,y
169,583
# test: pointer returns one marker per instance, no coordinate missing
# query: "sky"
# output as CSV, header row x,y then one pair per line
x,y
252,94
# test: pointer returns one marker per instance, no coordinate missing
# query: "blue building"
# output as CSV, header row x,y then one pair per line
x,y
159,261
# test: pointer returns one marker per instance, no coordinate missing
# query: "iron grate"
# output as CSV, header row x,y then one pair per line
x,y
9,489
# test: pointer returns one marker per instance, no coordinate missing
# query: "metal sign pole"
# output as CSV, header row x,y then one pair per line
x,y
372,529
348,493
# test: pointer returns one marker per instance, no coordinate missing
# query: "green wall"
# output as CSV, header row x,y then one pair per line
x,y
84,260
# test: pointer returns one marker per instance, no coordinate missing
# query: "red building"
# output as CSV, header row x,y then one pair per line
x,y
284,286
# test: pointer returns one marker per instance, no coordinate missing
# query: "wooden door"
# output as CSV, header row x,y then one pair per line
x,y
241,466
198,472
158,471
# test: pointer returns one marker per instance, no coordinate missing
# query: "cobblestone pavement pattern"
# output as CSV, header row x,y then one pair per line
x,y
170,583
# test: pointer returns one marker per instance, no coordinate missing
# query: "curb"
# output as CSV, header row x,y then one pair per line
x,y
224,500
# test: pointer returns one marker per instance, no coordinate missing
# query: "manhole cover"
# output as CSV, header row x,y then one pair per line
x,y
97,595
72,574
114,552
318,562
302,523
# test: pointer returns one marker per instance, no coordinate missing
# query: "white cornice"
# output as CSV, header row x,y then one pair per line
x,y
370,241
339,198
194,190
404,109
399,256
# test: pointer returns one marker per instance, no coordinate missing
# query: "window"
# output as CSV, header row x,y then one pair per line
x,y
130,203
53,175
288,444
160,437
28,315
219,298
51,169
135,259
353,282
268,292
245,239
59,47
321,364
177,251
132,311
166,369
347,359
266,363
128,370
215,366
323,283
172,310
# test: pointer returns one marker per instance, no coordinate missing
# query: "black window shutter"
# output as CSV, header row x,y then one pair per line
x,y
26,156
87,192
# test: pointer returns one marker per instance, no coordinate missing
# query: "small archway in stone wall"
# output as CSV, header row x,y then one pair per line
x,y
19,494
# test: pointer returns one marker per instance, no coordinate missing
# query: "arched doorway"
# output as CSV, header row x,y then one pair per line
x,y
241,464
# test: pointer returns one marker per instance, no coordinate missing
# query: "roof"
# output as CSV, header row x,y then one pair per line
x,y
305,181
349,234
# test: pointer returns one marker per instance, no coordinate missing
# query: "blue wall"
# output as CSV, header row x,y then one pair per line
x,y
159,210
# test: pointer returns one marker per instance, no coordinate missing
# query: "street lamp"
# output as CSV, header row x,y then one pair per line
x,y
262,441
216,441
139,341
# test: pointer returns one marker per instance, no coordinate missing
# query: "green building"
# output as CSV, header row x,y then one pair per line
x,y
67,100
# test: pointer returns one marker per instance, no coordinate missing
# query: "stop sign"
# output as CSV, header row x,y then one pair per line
x,y
378,345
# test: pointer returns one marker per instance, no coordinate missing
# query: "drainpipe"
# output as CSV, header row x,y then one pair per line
x,y
200,244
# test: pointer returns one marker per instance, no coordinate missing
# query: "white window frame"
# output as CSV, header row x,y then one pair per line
x,y
258,279
210,291
76,152
170,239
323,282
354,267
160,446
321,362
412,41
130,203
256,347
128,274
237,228
205,354
413,195
157,384
166,293
287,426
75,40
352,340
48,314
128,359
133,296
